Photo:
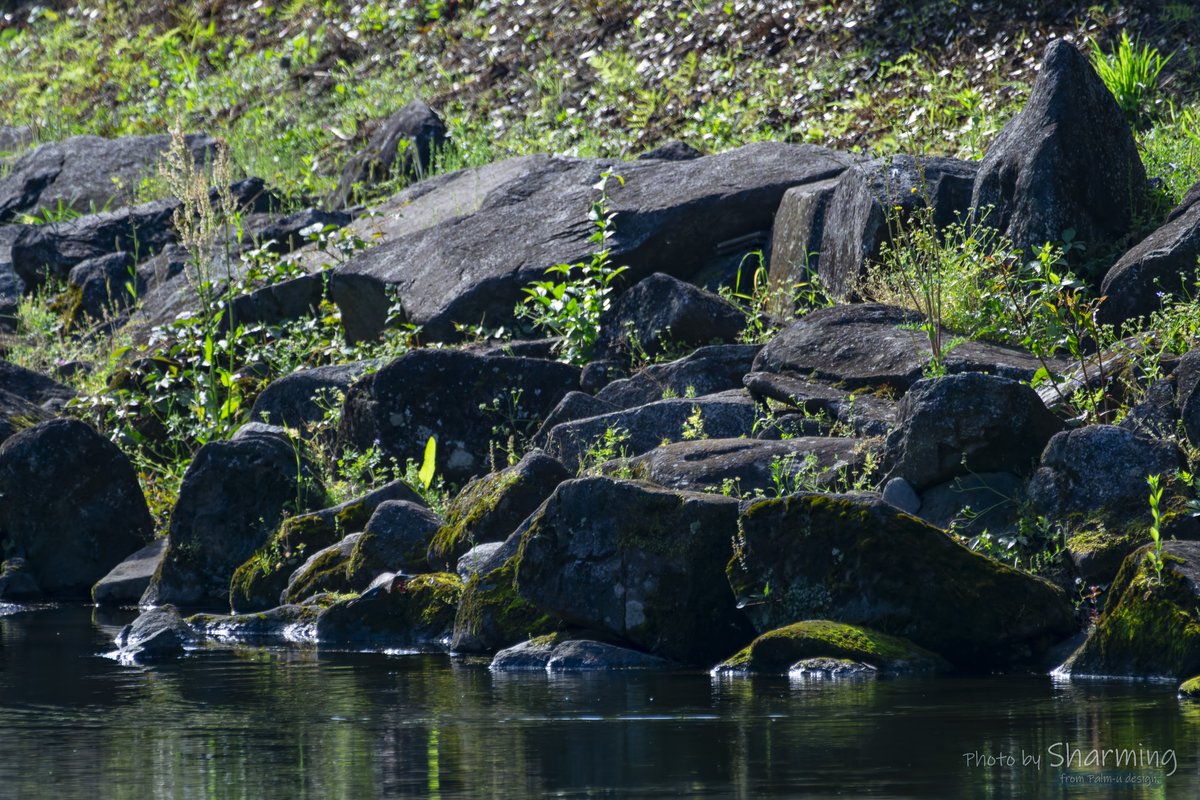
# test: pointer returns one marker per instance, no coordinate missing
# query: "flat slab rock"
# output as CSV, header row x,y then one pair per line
x,y
721,415
682,215
748,464
864,412
872,345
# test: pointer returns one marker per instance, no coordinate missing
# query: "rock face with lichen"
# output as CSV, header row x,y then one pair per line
x,y
492,614
857,560
491,507
637,561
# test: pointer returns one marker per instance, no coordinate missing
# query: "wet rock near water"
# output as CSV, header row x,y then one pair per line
x,y
159,634
232,499
261,581
857,560
72,506
558,653
1149,626
777,651
636,561
127,582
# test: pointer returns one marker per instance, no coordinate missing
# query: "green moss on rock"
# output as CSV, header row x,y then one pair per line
x,y
777,650
860,561
492,616
420,613
1148,628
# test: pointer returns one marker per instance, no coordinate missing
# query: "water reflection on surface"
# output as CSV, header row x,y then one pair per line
x,y
302,724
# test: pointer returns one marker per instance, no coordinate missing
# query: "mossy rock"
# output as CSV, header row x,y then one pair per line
x,y
1098,551
776,651
420,613
1148,628
1190,688
328,570
860,561
259,583
491,507
492,615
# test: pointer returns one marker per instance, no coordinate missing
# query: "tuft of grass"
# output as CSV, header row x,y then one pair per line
x,y
1131,73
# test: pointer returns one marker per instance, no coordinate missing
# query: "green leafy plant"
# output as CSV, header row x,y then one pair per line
x,y
571,307
608,446
693,426
1131,73
428,464
1155,554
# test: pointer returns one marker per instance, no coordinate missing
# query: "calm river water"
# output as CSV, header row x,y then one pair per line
x,y
295,724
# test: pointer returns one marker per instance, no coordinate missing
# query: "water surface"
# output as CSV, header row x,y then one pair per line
x,y
275,723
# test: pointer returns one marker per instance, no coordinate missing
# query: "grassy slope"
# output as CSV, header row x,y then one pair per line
x,y
293,87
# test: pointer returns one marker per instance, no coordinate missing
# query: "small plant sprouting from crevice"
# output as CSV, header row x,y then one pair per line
x,y
1155,553
572,305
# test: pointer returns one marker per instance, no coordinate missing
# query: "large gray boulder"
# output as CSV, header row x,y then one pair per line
x,y
1100,470
964,424
692,219
233,497
858,560
662,314
872,345
87,173
639,562
1163,262
874,200
469,403
71,505
1068,161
